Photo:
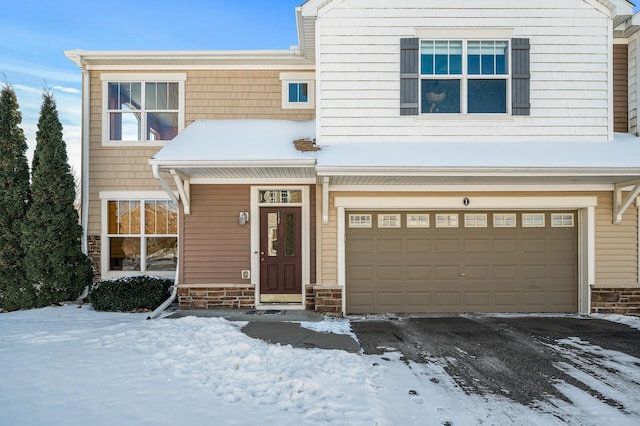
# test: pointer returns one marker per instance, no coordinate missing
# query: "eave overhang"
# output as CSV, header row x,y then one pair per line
x,y
132,60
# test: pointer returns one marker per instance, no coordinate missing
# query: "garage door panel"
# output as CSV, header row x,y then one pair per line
x,y
477,299
419,247
509,246
448,299
477,246
534,246
419,272
443,246
461,269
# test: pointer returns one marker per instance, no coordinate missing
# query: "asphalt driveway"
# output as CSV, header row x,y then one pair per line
x,y
528,359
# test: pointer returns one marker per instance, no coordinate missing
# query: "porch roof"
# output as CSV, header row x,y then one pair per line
x,y
482,163
228,149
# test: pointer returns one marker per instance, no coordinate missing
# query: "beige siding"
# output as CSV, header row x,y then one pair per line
x,y
359,94
215,248
633,84
616,245
237,94
208,95
620,88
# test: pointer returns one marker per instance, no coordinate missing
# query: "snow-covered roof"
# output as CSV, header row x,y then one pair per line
x,y
242,142
623,152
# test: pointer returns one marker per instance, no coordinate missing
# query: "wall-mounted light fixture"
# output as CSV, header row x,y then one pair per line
x,y
244,217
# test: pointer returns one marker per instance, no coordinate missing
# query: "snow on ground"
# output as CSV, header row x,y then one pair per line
x,y
75,366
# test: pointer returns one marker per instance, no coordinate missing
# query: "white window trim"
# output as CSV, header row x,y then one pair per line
x,y
298,77
366,224
572,224
464,77
448,223
417,223
515,220
105,197
392,216
525,225
469,217
105,78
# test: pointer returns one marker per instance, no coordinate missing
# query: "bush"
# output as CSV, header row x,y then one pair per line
x,y
136,293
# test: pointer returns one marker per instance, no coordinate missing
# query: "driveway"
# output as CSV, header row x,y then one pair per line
x,y
533,360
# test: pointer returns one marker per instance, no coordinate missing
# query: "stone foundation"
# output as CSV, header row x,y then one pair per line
x,y
623,301
217,297
328,300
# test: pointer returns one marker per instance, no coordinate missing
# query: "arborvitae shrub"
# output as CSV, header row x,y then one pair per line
x,y
135,293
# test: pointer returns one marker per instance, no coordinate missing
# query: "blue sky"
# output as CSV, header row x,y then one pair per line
x,y
34,35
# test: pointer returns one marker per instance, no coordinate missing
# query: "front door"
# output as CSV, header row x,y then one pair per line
x,y
280,255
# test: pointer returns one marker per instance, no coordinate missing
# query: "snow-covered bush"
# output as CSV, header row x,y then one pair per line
x,y
135,293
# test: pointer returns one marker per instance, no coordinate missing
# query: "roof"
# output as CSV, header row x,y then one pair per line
x,y
239,149
482,162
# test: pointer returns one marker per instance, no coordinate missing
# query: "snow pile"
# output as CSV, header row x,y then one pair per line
x,y
77,366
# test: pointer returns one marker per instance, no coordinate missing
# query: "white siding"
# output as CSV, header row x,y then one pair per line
x,y
359,71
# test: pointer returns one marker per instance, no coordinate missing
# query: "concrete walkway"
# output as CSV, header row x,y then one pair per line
x,y
281,327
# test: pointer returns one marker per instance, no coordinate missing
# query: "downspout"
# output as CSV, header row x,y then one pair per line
x,y
84,194
84,164
174,292
174,288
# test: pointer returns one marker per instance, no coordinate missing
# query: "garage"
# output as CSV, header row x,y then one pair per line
x,y
453,261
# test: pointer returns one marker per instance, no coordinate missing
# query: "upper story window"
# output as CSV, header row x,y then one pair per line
x,y
464,76
143,108
298,90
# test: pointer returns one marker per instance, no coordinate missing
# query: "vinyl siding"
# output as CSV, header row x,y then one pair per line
x,y
215,248
620,88
633,84
616,246
230,94
359,69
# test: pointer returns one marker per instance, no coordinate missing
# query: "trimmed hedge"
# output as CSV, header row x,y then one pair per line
x,y
136,293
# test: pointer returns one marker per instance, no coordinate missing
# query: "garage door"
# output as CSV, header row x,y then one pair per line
x,y
461,262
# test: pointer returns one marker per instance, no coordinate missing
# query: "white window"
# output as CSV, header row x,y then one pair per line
x,y
447,220
280,196
142,108
298,89
389,221
141,235
533,220
472,220
417,220
464,76
562,220
359,221
504,220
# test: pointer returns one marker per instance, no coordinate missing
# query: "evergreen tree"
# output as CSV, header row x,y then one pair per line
x,y
54,261
15,291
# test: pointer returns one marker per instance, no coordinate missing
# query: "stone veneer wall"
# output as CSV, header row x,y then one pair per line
x,y
328,300
623,301
93,251
217,297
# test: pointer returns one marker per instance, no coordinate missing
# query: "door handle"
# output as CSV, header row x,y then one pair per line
x,y
462,274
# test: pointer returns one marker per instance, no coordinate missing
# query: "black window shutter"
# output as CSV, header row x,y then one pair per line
x,y
521,76
409,76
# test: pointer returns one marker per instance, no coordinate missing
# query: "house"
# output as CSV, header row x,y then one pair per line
x,y
407,156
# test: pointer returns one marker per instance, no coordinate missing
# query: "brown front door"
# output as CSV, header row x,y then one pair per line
x,y
280,254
